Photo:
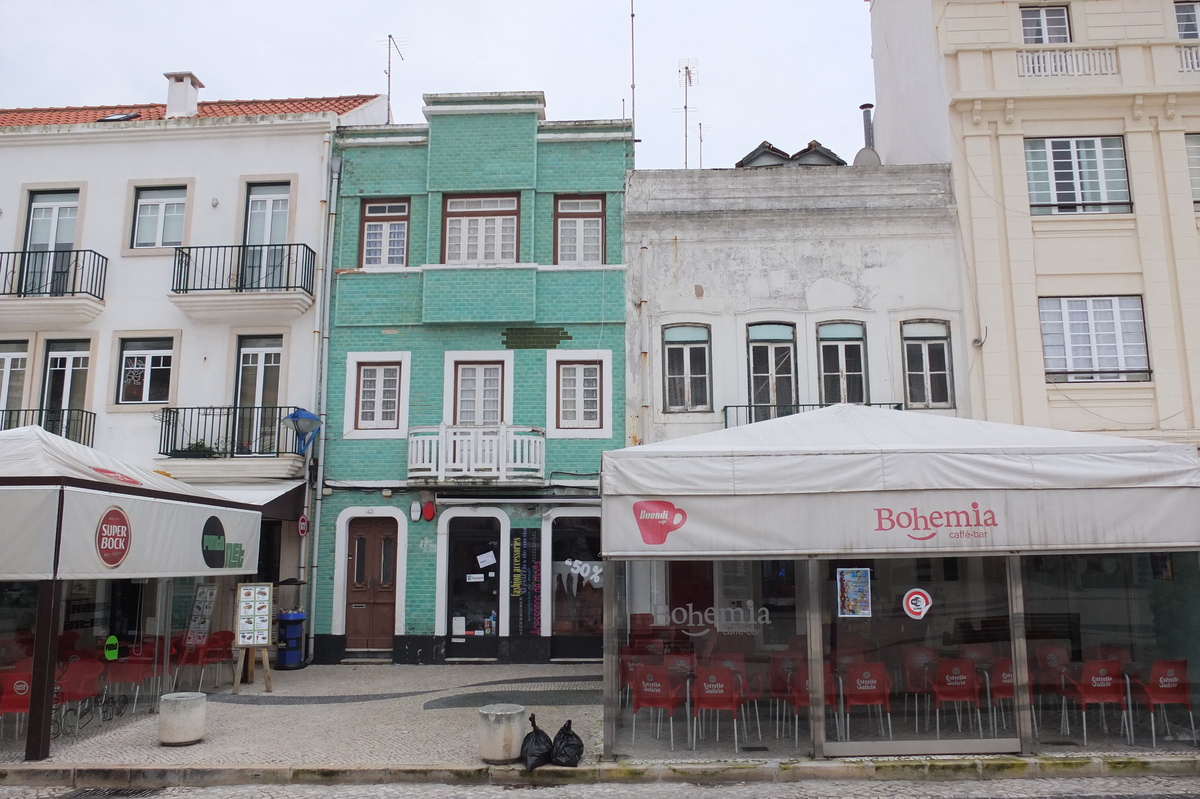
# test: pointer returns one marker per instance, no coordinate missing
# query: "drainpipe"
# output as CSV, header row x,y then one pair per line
x,y
335,173
644,336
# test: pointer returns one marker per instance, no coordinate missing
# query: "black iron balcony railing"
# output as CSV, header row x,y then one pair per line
x,y
736,415
58,273
267,267
226,431
73,424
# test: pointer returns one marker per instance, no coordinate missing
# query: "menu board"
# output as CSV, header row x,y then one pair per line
x,y
254,611
200,621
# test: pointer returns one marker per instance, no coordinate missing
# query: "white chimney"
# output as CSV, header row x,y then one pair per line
x,y
183,91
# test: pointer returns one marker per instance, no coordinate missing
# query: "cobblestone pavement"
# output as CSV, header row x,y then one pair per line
x,y
1096,788
348,716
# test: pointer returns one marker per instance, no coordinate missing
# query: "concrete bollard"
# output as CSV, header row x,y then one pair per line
x,y
181,718
501,731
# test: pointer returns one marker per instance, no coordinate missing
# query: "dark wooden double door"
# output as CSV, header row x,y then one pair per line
x,y
371,584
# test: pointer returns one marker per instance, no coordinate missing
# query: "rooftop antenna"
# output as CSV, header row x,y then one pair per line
x,y
700,127
632,86
392,44
689,76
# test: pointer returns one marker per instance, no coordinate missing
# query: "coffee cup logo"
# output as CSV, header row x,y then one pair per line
x,y
657,518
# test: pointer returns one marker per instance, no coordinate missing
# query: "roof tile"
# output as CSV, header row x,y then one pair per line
x,y
220,108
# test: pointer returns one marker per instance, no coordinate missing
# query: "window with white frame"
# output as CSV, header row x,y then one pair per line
x,y
843,358
772,370
145,371
1078,175
384,233
927,379
1045,25
1193,156
580,230
378,396
481,230
579,395
479,393
159,217
1093,339
686,365
14,357
1186,20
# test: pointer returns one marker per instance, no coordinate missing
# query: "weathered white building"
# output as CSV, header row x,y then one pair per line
x,y
761,292
161,277
1073,131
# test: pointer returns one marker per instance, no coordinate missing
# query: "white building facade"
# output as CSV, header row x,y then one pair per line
x,y
1073,130
161,283
762,292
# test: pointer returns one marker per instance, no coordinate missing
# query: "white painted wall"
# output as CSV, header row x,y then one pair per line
x,y
729,248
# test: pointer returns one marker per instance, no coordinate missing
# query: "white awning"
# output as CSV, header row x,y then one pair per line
x,y
852,479
254,493
103,518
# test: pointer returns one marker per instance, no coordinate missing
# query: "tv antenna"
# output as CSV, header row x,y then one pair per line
x,y
392,44
689,76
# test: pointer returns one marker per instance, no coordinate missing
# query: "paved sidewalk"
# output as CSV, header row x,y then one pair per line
x,y
406,724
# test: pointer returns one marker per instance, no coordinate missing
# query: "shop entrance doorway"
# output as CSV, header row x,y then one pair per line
x,y
371,584
578,589
474,585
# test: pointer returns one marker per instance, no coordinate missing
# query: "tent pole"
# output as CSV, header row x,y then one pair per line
x,y
45,652
816,658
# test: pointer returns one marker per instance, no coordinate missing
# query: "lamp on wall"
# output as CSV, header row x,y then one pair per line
x,y
305,424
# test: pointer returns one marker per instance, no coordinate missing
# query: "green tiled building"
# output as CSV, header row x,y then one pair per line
x,y
476,364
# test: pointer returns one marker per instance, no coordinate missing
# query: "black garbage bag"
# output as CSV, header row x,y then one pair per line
x,y
537,747
568,747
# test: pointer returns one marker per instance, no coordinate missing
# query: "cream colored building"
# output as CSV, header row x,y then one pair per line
x,y
1070,127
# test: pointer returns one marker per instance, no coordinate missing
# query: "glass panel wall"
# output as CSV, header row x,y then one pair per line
x,y
18,615
1113,640
921,652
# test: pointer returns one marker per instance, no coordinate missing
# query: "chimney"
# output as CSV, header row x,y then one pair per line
x,y
868,126
183,91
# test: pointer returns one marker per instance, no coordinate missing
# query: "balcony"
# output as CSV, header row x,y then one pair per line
x,y
1189,57
73,424
737,415
245,282
466,453
229,443
60,289
1066,63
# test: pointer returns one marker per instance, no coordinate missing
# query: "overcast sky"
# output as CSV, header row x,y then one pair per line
x,y
787,71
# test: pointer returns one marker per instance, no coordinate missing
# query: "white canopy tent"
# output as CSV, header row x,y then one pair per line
x,y
853,479
62,505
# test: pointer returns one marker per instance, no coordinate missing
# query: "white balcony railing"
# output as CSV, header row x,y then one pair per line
x,y
1066,63
490,452
1189,57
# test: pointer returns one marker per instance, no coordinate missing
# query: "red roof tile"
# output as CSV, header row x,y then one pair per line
x,y
218,108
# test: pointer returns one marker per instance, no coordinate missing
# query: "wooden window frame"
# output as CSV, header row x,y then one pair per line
x,y
601,215
447,215
689,407
377,425
558,422
457,395
385,219
905,340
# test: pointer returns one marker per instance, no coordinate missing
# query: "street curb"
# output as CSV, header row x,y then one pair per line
x,y
715,773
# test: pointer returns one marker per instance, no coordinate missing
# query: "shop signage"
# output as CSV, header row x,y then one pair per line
x,y
112,537
854,593
109,473
302,526
737,618
917,603
218,553
971,523
112,648
657,518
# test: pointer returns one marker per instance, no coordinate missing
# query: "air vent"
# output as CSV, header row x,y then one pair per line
x,y
105,793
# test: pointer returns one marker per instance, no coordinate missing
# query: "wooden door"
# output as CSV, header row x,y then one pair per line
x,y
371,584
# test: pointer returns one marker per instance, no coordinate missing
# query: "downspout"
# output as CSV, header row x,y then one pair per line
x,y
644,343
335,172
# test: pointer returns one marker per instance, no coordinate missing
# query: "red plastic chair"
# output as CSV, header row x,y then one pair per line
x,y
629,659
79,682
184,654
654,688
867,685
715,688
218,649
1100,683
800,696
128,672
1168,685
916,668
956,681
780,667
14,696
750,685
1001,685
976,652
1050,661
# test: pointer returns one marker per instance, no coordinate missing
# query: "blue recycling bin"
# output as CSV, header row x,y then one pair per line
x,y
290,652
